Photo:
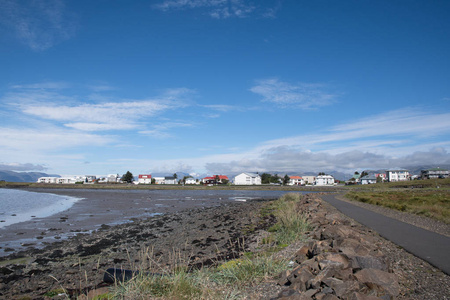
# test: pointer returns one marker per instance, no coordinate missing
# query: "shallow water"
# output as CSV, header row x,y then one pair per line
x,y
19,206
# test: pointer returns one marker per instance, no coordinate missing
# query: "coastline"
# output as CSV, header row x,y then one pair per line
x,y
200,236
195,237
103,207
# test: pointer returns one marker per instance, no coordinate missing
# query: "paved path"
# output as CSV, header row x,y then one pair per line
x,y
429,246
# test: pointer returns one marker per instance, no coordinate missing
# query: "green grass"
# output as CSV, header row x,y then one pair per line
x,y
432,203
222,282
291,225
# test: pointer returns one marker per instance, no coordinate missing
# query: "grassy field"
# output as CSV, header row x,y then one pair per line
x,y
430,198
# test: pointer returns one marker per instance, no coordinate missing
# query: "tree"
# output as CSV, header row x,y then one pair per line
x,y
265,178
175,175
128,177
321,173
286,179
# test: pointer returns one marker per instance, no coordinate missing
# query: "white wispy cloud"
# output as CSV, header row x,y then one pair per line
x,y
410,124
297,95
162,130
222,9
38,24
33,141
48,85
122,114
396,138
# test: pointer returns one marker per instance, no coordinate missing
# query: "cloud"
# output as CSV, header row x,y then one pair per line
x,y
38,24
124,114
299,95
49,85
21,167
412,126
405,138
286,159
220,9
47,139
161,130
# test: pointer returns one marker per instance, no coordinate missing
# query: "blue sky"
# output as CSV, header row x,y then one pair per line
x,y
223,86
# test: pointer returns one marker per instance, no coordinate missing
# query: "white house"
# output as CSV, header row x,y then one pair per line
x,y
71,179
190,180
324,180
296,180
170,180
397,175
247,179
434,173
159,180
145,179
112,178
368,179
309,179
47,180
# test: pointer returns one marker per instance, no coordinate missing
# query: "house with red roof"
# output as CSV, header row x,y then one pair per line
x,y
145,179
216,179
296,180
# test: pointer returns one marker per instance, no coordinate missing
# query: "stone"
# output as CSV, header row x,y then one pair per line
x,y
369,262
359,296
335,259
300,277
283,278
380,282
353,247
290,294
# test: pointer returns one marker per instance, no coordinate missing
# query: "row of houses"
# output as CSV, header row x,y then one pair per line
x,y
401,175
74,179
246,178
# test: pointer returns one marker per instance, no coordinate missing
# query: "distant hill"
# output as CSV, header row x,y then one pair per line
x,y
12,176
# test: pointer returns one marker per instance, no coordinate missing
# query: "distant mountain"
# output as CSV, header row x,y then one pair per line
x,y
12,176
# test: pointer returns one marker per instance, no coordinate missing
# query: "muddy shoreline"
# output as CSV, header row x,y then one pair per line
x,y
111,207
199,236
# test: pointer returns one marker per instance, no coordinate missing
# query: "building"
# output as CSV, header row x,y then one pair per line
x,y
47,180
368,179
296,180
190,180
382,176
309,179
113,178
159,180
215,179
145,179
434,173
170,180
324,180
397,175
247,179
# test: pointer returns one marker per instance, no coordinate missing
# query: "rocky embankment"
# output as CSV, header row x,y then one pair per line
x,y
345,260
339,259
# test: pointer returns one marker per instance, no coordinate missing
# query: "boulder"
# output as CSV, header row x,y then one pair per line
x,y
380,283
